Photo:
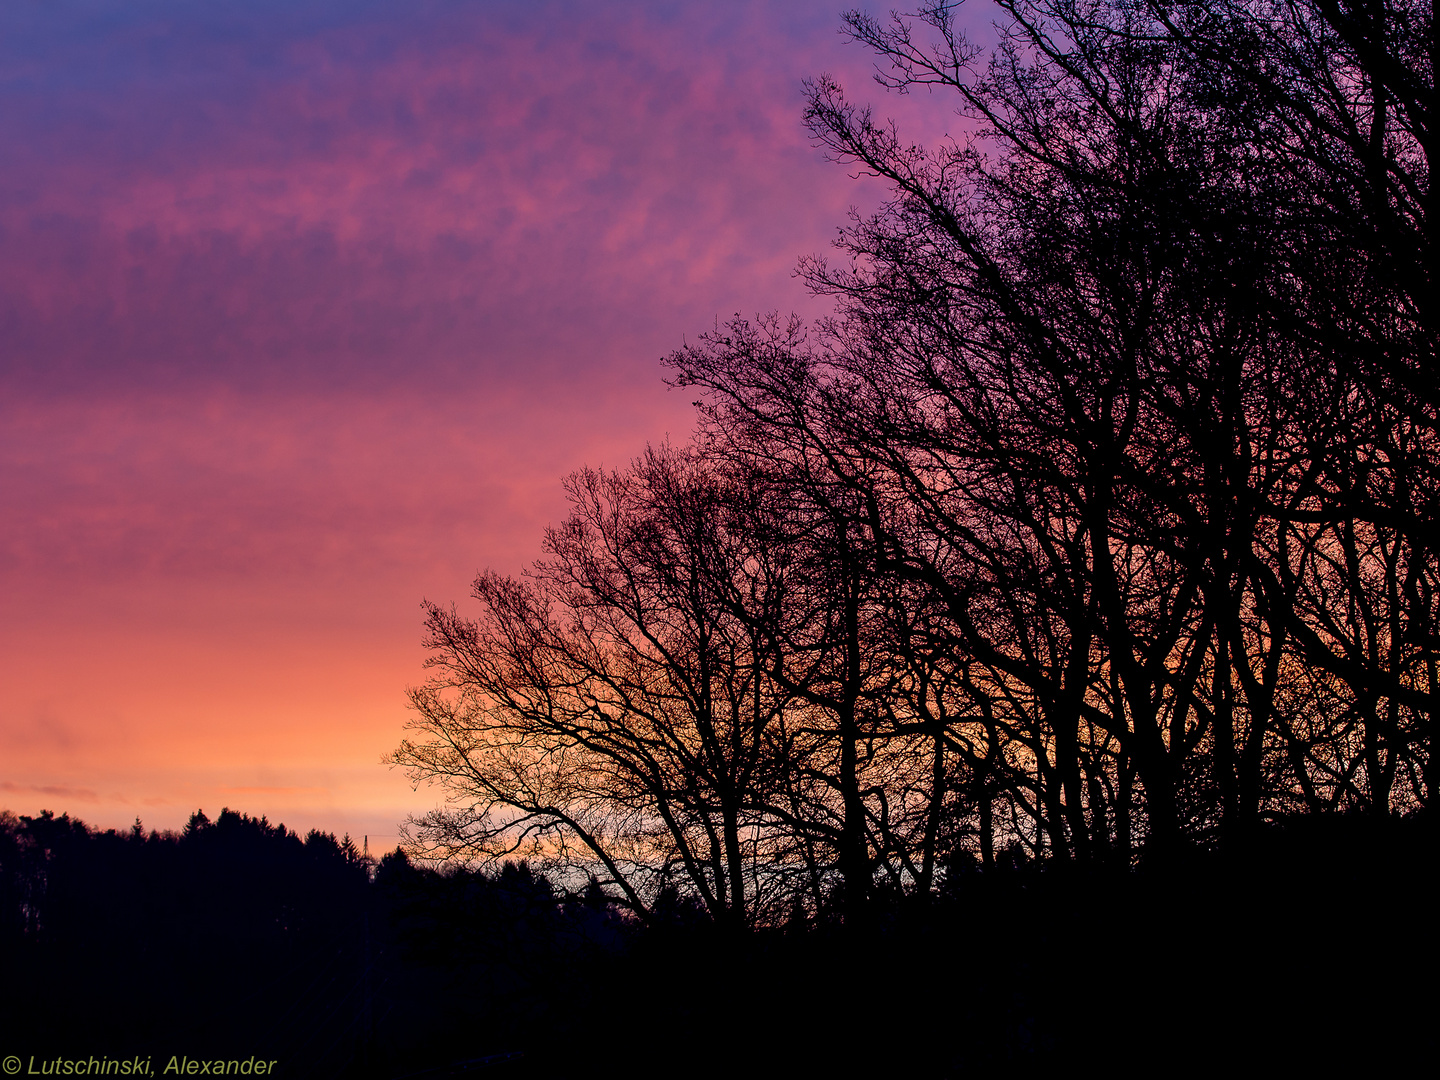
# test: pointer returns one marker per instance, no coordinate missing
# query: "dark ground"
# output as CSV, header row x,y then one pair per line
x,y
238,941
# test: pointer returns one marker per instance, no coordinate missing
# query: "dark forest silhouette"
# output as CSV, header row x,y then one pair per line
x,y
1034,663
236,939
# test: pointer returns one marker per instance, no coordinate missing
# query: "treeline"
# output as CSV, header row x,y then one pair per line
x,y
238,939
1096,528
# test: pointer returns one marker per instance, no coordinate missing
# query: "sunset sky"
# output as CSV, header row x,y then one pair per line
x,y
305,309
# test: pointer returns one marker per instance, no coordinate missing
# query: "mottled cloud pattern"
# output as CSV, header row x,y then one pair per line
x,y
304,310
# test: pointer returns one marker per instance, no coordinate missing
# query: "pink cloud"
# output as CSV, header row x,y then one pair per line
x,y
68,794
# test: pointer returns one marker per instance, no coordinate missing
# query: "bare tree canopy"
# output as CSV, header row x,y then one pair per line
x,y
1098,522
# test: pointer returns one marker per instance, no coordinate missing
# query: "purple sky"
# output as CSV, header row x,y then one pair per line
x,y
305,308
